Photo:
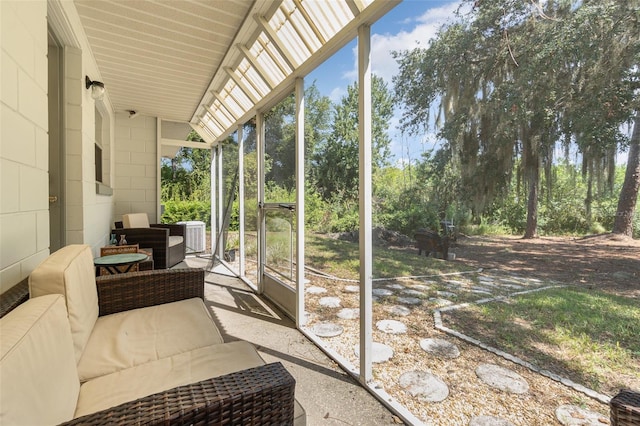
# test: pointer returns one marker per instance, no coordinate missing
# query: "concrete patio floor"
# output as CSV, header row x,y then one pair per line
x,y
328,394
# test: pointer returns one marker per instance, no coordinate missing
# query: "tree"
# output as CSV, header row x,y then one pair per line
x,y
336,160
623,223
603,38
513,79
280,134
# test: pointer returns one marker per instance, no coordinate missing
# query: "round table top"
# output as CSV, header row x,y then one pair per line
x,y
119,259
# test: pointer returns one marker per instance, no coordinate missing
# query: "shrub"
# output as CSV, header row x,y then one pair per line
x,y
179,211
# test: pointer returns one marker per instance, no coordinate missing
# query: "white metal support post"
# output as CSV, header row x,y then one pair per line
x,y
214,201
220,203
159,170
366,255
241,258
262,245
300,185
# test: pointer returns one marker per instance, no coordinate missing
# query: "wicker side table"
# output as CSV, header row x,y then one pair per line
x,y
625,408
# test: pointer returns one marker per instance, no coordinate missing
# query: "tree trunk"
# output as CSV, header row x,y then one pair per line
x,y
532,203
589,199
623,223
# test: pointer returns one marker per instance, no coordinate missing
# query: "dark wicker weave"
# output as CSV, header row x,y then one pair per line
x,y
625,408
257,396
13,297
157,238
123,292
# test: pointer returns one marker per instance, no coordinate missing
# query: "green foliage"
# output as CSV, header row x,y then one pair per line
x,y
187,176
178,211
562,210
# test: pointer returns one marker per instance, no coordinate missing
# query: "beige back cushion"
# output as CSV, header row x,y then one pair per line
x,y
135,220
40,382
70,272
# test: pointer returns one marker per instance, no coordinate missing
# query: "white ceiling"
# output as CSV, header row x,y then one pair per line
x,y
158,57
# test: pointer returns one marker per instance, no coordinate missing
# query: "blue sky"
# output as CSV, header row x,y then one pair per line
x,y
410,24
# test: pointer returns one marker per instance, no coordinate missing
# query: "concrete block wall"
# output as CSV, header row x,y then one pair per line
x,y
136,166
24,140
24,209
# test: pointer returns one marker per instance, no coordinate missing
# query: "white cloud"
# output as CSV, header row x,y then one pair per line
x,y
426,27
337,94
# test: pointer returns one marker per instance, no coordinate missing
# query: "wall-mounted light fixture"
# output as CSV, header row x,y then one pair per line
x,y
97,88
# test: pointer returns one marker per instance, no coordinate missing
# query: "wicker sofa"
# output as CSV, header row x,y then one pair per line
x,y
130,349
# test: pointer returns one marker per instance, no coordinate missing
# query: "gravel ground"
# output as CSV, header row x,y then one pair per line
x,y
468,396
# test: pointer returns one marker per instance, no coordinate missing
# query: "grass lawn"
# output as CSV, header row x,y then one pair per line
x,y
341,258
591,337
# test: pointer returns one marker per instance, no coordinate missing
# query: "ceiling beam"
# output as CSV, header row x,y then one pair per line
x,y
275,39
242,86
254,62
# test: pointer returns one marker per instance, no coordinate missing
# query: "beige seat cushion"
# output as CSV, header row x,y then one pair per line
x,y
174,240
71,273
164,374
135,337
135,220
39,378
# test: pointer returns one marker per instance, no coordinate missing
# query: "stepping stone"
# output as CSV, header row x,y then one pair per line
x,y
330,302
391,327
455,282
395,286
399,310
483,290
486,279
446,294
352,289
502,378
571,415
379,352
382,292
316,290
412,292
440,347
409,300
425,386
489,421
349,313
440,302
327,329
422,287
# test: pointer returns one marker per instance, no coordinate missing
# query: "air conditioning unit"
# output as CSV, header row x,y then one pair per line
x,y
195,236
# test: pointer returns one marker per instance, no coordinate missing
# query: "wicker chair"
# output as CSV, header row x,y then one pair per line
x,y
262,395
166,240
